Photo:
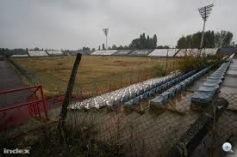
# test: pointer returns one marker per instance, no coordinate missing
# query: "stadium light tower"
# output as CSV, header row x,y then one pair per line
x,y
204,12
106,30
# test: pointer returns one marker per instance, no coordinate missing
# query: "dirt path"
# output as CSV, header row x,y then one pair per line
x,y
10,79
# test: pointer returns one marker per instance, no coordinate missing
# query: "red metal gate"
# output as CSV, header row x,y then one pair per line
x,y
16,114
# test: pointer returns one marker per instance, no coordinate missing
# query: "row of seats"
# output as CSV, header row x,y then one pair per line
x,y
163,98
37,53
122,52
138,52
24,55
163,52
104,52
142,52
54,52
158,88
207,90
121,95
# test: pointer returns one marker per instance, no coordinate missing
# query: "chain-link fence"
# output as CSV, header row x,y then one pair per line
x,y
31,78
144,129
149,131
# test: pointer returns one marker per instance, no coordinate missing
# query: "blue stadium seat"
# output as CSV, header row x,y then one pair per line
x,y
210,83
183,84
213,81
145,95
152,92
163,86
178,88
202,97
136,100
177,80
157,100
165,95
125,99
172,92
211,89
129,103
158,89
140,91
133,95
187,81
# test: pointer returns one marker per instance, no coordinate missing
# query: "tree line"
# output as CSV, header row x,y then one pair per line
x,y
143,42
211,40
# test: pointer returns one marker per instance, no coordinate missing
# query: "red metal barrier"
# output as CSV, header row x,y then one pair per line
x,y
17,114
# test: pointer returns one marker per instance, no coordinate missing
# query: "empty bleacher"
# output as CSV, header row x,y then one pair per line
x,y
158,87
104,52
143,52
171,92
205,93
20,55
34,53
55,52
124,94
209,51
187,52
122,52
66,53
163,52
73,53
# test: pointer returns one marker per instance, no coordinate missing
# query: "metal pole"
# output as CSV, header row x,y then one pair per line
x,y
106,34
203,30
68,93
44,102
106,42
166,60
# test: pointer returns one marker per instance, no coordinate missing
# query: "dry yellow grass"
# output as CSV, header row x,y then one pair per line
x,y
95,74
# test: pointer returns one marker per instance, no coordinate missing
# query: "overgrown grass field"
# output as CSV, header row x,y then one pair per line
x,y
96,74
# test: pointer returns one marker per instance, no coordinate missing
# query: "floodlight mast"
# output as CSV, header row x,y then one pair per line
x,y
106,30
204,12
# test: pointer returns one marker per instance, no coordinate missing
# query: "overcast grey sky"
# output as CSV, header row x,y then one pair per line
x,y
73,24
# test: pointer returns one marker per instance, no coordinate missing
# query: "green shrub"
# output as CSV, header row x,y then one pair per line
x,y
196,63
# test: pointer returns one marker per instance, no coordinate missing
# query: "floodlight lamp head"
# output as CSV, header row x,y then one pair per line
x,y
106,30
205,11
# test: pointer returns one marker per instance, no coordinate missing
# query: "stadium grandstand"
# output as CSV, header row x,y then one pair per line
x,y
163,52
210,51
19,53
140,52
226,51
104,52
23,55
37,53
187,52
54,52
122,52
74,52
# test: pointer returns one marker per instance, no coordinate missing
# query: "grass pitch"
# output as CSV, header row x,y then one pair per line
x,y
96,74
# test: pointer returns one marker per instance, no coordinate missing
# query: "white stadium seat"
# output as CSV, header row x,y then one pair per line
x,y
37,53
104,52
122,52
163,52
55,52
210,51
23,55
143,52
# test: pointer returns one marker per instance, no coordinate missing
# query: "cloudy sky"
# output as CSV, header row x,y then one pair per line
x,y
73,24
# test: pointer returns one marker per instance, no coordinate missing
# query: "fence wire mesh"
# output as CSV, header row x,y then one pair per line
x,y
154,131
143,130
